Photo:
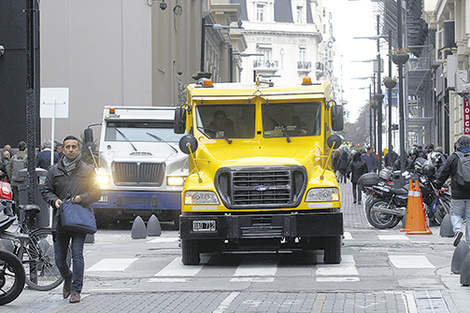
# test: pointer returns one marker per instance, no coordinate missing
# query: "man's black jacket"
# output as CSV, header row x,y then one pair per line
x,y
81,182
450,169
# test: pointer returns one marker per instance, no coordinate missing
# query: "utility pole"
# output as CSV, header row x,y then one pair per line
x,y
31,103
401,109
379,97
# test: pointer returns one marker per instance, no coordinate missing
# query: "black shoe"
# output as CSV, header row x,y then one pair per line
x,y
67,288
457,238
354,202
359,202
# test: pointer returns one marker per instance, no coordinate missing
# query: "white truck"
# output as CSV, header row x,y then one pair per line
x,y
141,169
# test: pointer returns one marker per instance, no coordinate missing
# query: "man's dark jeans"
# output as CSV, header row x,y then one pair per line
x,y
60,250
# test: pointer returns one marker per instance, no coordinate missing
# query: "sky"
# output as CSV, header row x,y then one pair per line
x,y
354,19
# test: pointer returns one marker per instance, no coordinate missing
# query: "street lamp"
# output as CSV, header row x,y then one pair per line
x,y
216,27
241,54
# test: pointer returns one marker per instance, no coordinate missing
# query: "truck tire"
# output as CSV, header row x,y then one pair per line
x,y
332,250
190,252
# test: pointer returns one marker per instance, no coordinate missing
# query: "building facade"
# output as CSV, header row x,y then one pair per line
x,y
135,53
290,39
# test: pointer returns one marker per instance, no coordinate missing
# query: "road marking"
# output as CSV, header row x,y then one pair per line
x,y
112,265
410,261
163,240
223,306
255,266
344,272
410,302
393,237
176,268
348,236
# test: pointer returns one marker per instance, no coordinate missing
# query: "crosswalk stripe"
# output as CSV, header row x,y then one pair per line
x,y
410,261
254,266
345,271
176,268
348,236
112,265
393,237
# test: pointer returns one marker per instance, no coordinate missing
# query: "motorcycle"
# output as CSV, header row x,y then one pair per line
x,y
386,199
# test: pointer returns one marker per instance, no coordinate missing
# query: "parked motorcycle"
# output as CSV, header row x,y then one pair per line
x,y
386,199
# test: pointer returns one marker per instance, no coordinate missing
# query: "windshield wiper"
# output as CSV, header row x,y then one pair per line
x,y
277,124
215,132
160,139
125,137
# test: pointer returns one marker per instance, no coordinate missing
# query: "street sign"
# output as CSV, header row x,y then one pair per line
x,y
54,103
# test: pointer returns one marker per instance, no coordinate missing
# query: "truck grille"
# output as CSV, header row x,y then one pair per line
x,y
132,173
261,187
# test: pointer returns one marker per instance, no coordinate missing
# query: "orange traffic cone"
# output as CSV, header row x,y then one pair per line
x,y
417,219
409,205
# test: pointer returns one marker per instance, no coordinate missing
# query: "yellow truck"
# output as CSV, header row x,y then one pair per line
x,y
260,169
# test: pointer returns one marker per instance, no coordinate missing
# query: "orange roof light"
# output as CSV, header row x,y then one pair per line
x,y
307,81
207,82
112,111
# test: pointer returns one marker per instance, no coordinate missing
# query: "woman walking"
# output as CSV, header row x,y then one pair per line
x,y
356,169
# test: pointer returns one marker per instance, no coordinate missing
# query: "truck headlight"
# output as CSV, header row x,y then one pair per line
x,y
103,179
200,197
322,194
175,181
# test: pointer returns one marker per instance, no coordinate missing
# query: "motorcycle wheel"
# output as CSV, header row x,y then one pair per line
x,y
442,209
12,277
379,219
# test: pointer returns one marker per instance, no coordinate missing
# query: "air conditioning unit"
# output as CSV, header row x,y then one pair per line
x,y
461,81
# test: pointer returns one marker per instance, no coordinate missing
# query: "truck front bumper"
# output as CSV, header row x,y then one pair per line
x,y
138,200
259,226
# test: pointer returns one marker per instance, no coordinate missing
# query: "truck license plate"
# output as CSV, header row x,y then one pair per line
x,y
204,225
103,199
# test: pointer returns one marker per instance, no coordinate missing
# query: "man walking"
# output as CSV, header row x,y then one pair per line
x,y
370,160
73,180
456,167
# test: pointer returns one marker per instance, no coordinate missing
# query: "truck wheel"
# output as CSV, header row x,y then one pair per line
x,y
190,252
332,250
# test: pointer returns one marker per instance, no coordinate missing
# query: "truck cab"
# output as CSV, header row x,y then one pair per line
x,y
260,169
141,170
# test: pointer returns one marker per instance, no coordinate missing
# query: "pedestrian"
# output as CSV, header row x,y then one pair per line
x,y
8,148
343,163
370,160
356,169
18,162
4,165
43,158
390,157
73,180
60,147
460,187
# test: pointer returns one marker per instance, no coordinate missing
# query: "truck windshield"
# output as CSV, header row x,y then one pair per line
x,y
226,121
291,119
136,131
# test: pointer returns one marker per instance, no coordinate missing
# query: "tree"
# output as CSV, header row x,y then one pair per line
x,y
358,132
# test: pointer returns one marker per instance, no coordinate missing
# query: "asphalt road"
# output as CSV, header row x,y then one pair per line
x,y
381,271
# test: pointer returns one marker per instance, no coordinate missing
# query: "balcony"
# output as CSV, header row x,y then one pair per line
x,y
304,67
265,66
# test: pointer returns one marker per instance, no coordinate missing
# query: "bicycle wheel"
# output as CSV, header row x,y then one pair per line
x,y
12,277
38,259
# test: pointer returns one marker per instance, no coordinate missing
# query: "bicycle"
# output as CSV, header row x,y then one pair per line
x,y
35,248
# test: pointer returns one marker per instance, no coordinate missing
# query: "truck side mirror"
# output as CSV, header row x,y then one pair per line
x,y
180,121
337,118
88,135
188,142
334,141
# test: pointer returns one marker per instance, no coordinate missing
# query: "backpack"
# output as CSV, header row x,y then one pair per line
x,y
463,169
18,164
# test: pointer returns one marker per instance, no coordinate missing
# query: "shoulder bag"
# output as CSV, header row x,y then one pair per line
x,y
75,218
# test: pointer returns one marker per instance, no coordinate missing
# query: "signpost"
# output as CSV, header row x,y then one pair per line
x,y
54,104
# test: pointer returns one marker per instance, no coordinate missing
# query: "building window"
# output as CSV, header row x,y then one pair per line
x,y
260,10
302,54
300,14
264,60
